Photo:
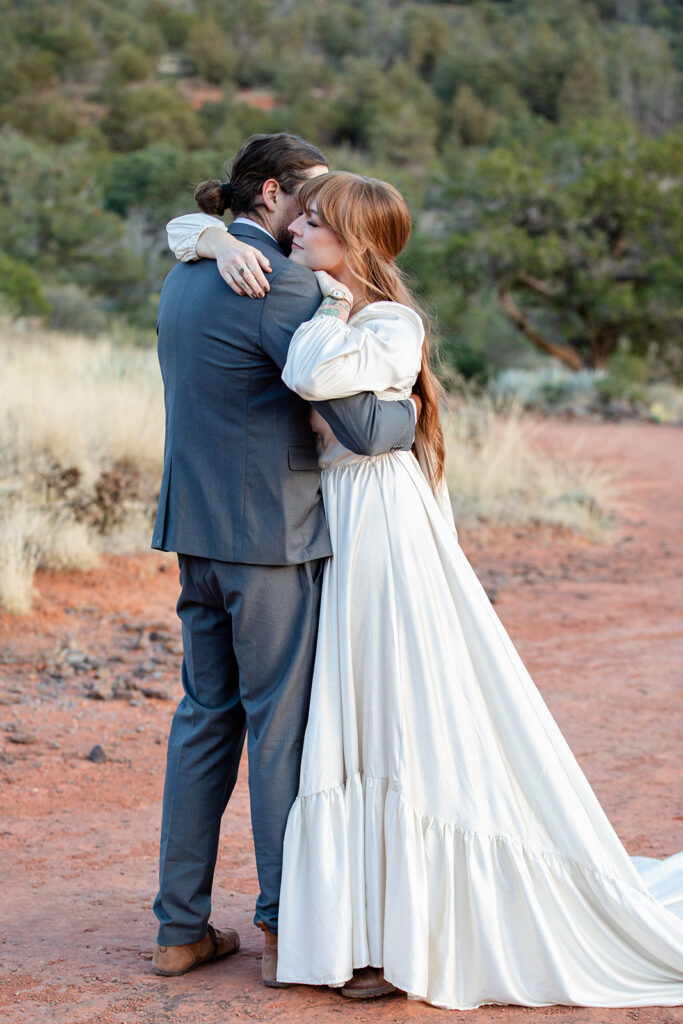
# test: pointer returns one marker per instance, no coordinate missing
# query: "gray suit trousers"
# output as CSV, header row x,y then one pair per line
x,y
249,634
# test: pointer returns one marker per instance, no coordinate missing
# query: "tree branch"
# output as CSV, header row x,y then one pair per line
x,y
534,284
565,353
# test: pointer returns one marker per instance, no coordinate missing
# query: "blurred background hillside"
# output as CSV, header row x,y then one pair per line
x,y
539,145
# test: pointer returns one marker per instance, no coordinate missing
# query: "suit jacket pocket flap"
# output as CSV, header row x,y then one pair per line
x,y
303,457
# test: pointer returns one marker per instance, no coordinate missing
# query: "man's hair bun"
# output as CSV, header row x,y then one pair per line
x,y
214,197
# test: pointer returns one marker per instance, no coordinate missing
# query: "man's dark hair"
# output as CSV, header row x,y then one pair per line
x,y
282,156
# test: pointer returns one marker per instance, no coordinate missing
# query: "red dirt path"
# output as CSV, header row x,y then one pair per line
x,y
600,627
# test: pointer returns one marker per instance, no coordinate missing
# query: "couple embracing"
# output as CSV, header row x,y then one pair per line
x,y
419,822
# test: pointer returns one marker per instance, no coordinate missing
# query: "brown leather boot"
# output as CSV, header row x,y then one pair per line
x,y
173,960
269,963
368,983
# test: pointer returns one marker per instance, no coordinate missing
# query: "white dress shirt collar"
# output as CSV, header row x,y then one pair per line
x,y
254,224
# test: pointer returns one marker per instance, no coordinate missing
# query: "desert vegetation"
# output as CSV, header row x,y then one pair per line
x,y
81,440
539,145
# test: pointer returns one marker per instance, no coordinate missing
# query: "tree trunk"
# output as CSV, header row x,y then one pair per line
x,y
603,345
565,353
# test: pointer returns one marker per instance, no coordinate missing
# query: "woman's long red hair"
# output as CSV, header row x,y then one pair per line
x,y
372,220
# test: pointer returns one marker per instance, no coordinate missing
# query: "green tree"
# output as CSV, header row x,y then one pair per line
x,y
644,79
425,36
156,181
72,42
174,25
584,89
584,241
65,235
474,57
337,27
542,69
22,72
389,114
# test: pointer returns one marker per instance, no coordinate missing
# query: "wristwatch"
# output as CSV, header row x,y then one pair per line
x,y
338,293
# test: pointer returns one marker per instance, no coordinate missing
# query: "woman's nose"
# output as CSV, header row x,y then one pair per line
x,y
295,228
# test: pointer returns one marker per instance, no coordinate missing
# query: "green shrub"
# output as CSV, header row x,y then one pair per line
x,y
549,386
73,310
465,360
72,42
21,289
49,119
122,27
130,63
471,119
140,115
210,52
626,377
175,27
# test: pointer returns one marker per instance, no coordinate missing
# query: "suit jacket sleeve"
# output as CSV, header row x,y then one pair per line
x,y
363,423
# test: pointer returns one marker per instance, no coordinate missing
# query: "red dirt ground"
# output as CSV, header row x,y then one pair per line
x,y
600,627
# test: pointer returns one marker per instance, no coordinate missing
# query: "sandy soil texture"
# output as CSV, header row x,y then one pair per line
x,y
96,663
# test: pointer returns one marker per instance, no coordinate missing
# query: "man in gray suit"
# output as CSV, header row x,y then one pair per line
x,y
240,502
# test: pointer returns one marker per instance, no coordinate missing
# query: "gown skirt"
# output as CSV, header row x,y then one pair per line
x,y
443,829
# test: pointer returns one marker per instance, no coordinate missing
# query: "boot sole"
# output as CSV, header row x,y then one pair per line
x,y
368,993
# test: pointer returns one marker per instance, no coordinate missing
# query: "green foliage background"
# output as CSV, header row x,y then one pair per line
x,y
539,145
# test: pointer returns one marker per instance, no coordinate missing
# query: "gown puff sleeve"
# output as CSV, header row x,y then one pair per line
x,y
380,351
183,234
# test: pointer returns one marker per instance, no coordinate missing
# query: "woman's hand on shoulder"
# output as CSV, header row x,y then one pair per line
x,y
243,267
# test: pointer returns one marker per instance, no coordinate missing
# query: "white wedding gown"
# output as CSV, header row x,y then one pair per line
x,y
443,829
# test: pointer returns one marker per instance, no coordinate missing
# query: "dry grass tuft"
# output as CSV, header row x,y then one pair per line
x,y
497,473
19,557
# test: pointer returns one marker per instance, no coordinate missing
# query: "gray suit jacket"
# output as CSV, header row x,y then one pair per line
x,y
241,480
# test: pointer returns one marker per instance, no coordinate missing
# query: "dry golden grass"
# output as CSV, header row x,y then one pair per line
x,y
19,557
70,401
497,473
81,442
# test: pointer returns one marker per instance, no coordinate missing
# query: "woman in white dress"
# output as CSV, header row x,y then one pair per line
x,y
443,833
